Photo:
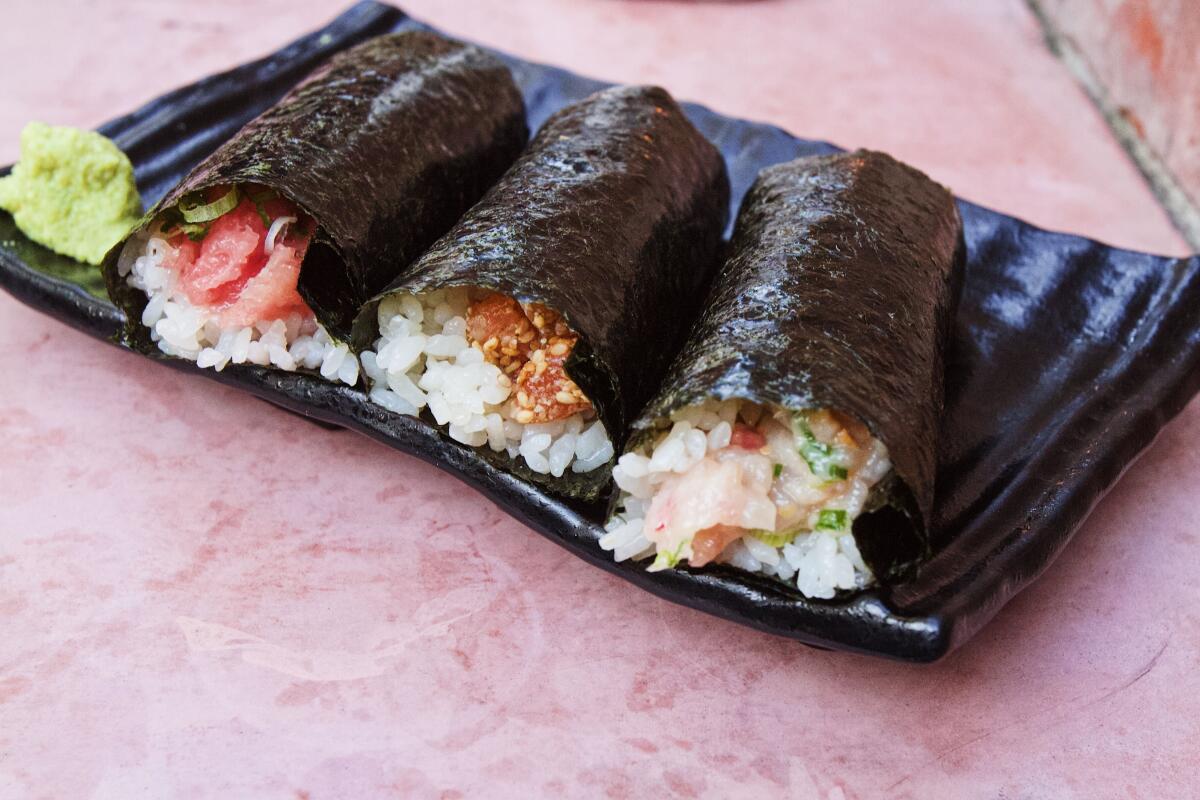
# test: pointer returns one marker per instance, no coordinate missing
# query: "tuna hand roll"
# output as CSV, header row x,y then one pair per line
x,y
266,251
795,435
539,325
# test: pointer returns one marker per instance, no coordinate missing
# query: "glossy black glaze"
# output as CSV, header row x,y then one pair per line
x,y
613,218
1067,358
385,145
837,292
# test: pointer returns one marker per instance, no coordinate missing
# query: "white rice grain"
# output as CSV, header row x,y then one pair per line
x,y
819,564
423,359
182,330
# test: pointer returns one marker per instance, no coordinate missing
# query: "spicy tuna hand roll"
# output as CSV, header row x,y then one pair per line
x,y
538,326
795,435
265,252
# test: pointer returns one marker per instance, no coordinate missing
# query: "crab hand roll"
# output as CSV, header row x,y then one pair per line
x,y
795,435
264,253
539,325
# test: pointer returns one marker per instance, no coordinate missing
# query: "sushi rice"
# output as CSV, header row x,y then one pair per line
x,y
184,330
424,358
779,489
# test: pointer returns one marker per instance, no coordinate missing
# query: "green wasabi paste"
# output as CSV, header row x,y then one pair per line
x,y
72,191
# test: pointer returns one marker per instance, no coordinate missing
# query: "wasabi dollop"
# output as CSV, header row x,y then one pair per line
x,y
72,191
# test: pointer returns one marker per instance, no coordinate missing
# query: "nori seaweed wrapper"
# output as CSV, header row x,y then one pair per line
x,y
613,218
385,146
838,292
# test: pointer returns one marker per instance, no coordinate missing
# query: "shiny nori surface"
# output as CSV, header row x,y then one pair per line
x,y
385,145
1067,357
838,292
613,218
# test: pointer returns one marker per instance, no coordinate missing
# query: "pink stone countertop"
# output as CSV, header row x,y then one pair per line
x,y
203,596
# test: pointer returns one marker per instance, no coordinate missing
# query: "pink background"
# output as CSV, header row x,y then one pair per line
x,y
204,596
1146,55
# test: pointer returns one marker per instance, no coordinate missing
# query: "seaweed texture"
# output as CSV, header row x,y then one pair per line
x,y
613,218
838,292
385,145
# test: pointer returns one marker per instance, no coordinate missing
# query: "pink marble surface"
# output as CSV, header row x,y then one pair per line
x,y
1146,55
205,597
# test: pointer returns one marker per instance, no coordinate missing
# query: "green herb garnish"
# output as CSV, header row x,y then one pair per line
x,y
774,539
778,470
259,198
194,231
194,209
831,519
821,458
173,223
667,559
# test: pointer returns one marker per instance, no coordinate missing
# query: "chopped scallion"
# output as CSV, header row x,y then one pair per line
x,y
666,559
193,210
821,457
195,232
831,519
259,198
774,539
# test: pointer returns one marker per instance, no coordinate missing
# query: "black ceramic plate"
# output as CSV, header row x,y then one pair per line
x,y
1068,358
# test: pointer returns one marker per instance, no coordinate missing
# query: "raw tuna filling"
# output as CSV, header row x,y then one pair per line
x,y
766,490
491,370
220,273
